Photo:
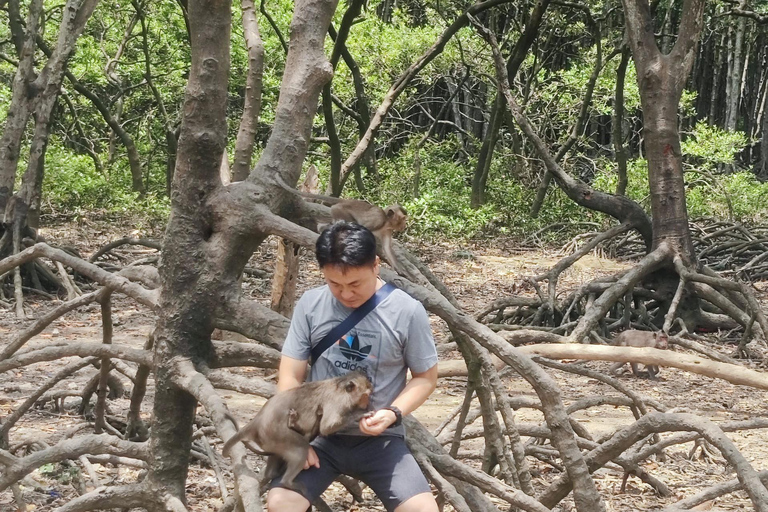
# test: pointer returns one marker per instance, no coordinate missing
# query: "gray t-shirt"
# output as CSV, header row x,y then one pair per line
x,y
391,339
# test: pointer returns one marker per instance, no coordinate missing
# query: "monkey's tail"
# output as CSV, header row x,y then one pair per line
x,y
242,436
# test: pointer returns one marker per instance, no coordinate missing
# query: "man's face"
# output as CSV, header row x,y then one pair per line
x,y
352,286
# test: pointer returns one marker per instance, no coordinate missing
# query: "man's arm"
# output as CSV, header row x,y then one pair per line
x,y
291,373
413,395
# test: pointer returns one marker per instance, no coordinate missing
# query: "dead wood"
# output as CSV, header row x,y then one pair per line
x,y
712,493
734,374
586,495
666,422
9,421
83,349
446,488
16,468
246,482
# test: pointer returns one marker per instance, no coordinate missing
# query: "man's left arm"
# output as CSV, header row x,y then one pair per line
x,y
414,394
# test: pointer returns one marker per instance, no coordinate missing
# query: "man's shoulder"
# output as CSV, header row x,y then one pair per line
x,y
316,294
400,300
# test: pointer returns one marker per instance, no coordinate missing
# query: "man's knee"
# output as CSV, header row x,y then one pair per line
x,y
423,502
285,500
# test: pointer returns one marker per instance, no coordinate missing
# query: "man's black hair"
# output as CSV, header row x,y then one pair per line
x,y
346,244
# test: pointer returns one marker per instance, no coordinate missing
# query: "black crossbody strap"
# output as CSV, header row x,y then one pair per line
x,y
352,320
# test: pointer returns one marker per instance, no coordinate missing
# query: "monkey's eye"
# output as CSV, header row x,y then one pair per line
x,y
350,387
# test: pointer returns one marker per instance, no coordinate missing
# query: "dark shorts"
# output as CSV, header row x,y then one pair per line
x,y
384,463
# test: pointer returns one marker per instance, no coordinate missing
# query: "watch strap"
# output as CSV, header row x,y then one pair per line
x,y
398,415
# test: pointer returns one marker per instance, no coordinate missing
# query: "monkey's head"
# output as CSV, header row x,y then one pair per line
x,y
356,389
396,217
662,340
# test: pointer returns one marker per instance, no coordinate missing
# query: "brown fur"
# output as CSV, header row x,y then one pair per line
x,y
382,222
635,338
291,419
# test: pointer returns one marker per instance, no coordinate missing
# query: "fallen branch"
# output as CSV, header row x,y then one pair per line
x,y
195,383
10,420
734,374
116,282
84,349
70,449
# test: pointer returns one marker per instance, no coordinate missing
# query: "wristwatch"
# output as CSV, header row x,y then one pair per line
x,y
398,416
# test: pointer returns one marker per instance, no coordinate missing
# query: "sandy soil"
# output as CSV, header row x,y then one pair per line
x,y
477,274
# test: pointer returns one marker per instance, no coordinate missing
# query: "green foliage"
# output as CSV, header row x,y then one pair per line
x,y
637,181
72,185
737,196
443,209
711,145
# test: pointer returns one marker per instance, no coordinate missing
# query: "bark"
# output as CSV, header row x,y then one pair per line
x,y
24,88
184,323
38,96
307,70
480,177
733,96
620,151
661,79
213,230
246,135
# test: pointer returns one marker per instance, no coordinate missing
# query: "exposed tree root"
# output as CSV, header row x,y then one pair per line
x,y
609,304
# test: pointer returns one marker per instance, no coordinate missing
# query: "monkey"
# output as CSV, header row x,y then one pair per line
x,y
288,421
635,338
382,222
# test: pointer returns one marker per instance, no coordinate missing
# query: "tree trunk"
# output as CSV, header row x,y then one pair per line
x,y
618,125
24,89
717,81
334,143
480,176
661,79
762,171
734,76
38,95
287,266
188,295
246,135
213,230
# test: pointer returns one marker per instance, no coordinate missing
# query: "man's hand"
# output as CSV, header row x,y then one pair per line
x,y
376,423
312,459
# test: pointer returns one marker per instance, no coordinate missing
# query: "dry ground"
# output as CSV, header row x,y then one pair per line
x,y
477,274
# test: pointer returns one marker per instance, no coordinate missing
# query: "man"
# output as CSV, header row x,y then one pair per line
x,y
391,339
